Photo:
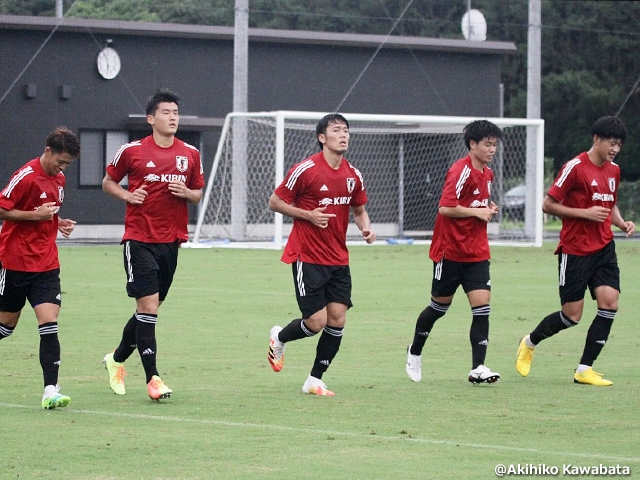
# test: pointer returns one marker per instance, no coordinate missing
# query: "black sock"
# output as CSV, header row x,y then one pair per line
x,y
146,342
128,342
549,326
597,335
296,330
5,331
328,346
49,352
479,334
424,324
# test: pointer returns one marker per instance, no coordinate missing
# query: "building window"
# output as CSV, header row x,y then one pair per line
x,y
98,148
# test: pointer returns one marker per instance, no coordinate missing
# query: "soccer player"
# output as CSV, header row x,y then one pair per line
x,y
460,250
164,175
29,264
584,195
318,193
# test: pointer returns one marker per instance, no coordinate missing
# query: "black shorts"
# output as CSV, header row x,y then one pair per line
x,y
318,285
576,273
150,267
449,275
38,287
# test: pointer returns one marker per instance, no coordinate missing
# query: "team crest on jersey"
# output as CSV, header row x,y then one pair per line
x,y
182,163
60,195
612,184
351,184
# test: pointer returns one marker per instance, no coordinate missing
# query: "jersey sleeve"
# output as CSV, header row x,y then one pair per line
x,y
564,181
453,184
117,169
15,189
287,190
196,182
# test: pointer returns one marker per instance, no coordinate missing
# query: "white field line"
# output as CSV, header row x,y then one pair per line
x,y
312,431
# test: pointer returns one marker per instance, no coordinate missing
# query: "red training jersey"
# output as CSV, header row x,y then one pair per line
x,y
463,239
581,184
311,184
31,246
162,217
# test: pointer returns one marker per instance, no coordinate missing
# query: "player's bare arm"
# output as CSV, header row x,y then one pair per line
x,y
595,213
180,189
46,211
627,227
485,214
114,189
361,217
317,216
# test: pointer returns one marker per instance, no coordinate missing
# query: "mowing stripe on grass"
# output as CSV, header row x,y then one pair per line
x,y
313,431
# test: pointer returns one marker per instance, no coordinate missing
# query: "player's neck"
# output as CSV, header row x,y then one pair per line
x,y
595,158
334,159
164,141
477,164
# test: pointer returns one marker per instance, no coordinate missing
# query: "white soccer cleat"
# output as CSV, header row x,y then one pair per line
x,y
276,350
482,374
414,366
315,386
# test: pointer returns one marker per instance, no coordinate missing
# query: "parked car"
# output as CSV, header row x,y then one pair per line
x,y
513,203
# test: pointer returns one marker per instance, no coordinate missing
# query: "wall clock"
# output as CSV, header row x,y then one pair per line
x,y
108,63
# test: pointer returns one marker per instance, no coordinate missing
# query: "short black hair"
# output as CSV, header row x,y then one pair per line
x,y
479,129
163,95
327,120
609,127
63,140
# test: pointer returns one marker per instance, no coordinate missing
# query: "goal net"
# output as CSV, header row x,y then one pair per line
x,y
403,159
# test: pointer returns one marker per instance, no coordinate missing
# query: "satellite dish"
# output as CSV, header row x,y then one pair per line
x,y
474,26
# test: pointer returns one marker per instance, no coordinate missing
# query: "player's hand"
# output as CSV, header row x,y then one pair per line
x,y
138,195
179,189
597,213
319,218
485,214
46,211
368,235
66,226
493,207
629,228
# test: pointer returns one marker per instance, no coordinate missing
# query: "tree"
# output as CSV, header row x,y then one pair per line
x,y
590,59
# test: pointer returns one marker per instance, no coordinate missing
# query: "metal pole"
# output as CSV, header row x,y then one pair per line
x,y
534,181
239,161
59,9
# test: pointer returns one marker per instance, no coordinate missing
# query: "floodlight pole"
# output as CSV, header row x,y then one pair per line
x,y
240,86
535,168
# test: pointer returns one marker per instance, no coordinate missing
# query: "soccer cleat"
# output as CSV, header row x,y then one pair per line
x,y
414,366
276,350
157,390
524,357
315,386
589,377
54,399
116,374
482,374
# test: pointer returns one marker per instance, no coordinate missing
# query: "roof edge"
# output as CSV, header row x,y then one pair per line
x,y
121,27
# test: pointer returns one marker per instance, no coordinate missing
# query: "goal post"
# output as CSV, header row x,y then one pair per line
x,y
403,159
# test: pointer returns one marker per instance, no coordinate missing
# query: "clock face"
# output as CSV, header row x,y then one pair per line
x,y
108,63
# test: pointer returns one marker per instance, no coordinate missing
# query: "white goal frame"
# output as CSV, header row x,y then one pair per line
x,y
272,233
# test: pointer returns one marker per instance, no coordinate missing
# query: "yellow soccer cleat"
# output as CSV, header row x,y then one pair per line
x,y
116,374
589,377
524,357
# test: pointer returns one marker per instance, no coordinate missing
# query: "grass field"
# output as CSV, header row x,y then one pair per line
x,y
232,417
